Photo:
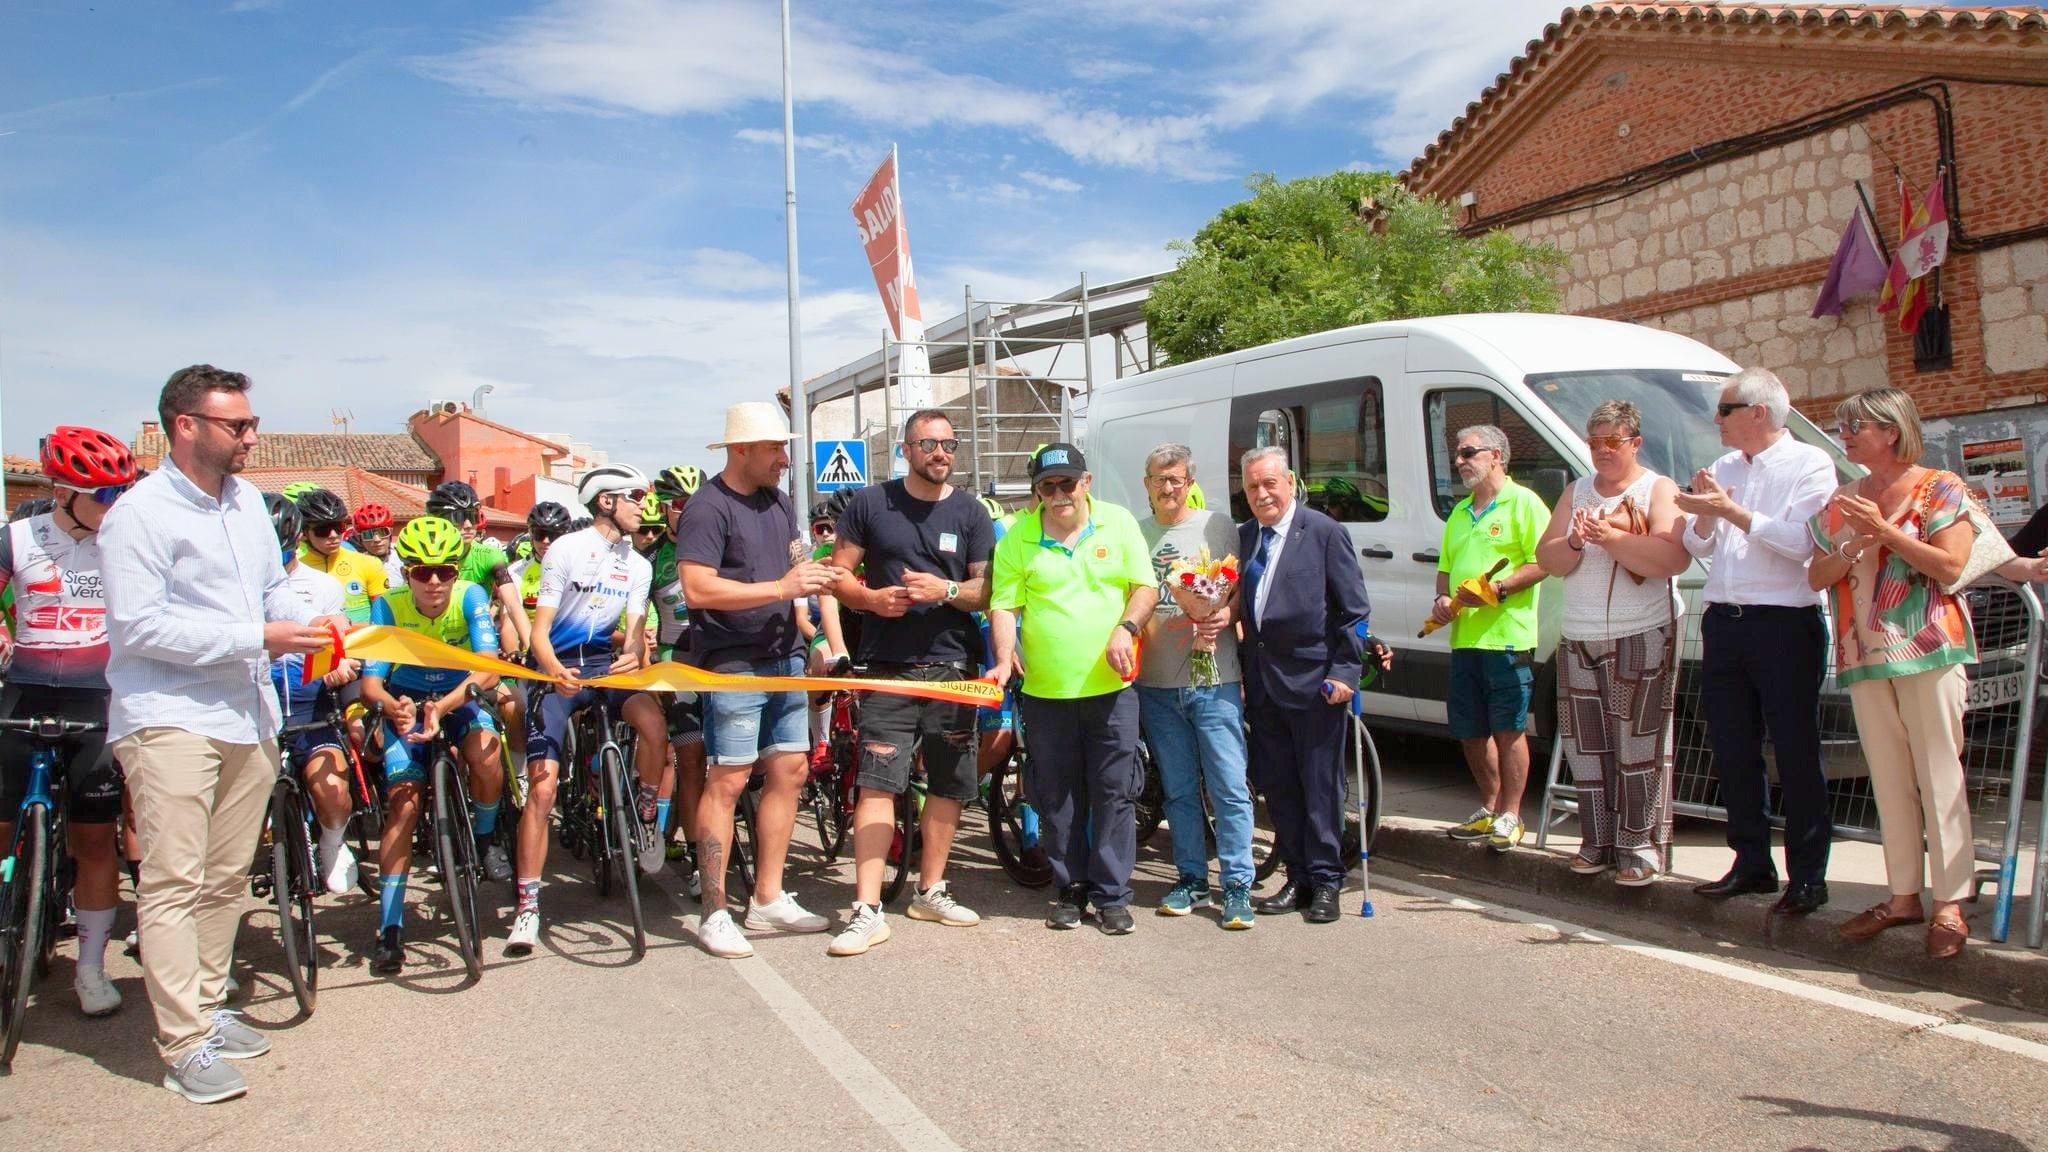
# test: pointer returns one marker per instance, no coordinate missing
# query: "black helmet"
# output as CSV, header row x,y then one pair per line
x,y
455,501
286,518
548,519
35,507
323,507
580,523
828,510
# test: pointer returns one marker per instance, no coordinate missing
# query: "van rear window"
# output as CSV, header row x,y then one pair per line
x,y
1679,434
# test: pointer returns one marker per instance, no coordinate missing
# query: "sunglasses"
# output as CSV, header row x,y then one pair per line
x,y
823,530
334,529
649,530
432,573
1727,409
1469,451
950,445
1060,486
1852,426
106,495
545,537
635,495
373,535
1611,443
236,429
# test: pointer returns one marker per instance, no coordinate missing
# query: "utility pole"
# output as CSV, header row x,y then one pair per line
x,y
800,489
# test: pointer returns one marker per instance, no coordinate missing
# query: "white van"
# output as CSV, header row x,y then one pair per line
x,y
1368,415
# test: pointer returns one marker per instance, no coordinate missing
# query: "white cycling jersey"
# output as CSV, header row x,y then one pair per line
x,y
591,583
394,570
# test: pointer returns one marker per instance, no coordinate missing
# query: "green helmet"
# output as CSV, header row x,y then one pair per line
x,y
678,481
651,515
995,510
1195,499
298,488
429,540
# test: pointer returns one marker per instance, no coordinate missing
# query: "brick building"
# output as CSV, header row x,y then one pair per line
x,y
1698,164
395,456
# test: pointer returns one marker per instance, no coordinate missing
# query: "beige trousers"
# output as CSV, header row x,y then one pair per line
x,y
1912,730
199,807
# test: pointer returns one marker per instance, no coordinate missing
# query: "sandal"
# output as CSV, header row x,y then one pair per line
x,y
1583,865
1636,876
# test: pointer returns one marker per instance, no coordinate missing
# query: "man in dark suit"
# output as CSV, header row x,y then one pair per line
x,y
1304,607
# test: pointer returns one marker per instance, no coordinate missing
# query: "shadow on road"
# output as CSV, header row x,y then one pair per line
x,y
1961,1137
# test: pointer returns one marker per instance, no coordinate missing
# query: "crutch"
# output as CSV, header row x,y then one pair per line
x,y
1361,745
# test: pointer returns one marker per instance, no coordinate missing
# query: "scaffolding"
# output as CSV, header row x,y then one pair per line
x,y
1004,410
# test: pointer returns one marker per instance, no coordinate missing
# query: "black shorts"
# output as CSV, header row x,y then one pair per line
x,y
895,729
92,781
685,718
304,743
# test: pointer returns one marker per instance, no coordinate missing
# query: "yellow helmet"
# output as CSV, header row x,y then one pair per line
x,y
651,515
429,540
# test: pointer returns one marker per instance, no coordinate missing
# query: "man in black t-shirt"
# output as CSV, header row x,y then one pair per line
x,y
743,569
926,547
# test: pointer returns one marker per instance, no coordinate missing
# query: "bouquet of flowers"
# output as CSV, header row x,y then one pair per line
x,y
1201,587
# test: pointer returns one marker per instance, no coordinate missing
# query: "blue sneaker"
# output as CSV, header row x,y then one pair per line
x,y
1237,907
1185,896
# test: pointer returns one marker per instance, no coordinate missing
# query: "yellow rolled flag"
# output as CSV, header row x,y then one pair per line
x,y
1481,587
383,642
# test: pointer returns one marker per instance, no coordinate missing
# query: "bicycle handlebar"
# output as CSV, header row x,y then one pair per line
x,y
51,727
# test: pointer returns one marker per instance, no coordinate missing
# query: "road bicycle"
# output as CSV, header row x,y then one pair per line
x,y
445,830
595,815
35,875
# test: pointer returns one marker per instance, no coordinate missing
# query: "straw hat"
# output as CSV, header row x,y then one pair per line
x,y
754,422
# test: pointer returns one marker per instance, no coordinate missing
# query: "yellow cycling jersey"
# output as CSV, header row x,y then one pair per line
x,y
360,574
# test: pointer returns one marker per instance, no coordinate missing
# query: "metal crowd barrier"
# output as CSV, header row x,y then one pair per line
x,y
1998,729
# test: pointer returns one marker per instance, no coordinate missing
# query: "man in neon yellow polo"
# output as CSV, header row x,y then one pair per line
x,y
1079,573
1493,637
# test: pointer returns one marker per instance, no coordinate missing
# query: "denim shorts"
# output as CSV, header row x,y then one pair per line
x,y
1489,692
896,731
742,727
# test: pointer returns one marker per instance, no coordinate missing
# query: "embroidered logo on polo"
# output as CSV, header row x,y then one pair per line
x,y
1493,530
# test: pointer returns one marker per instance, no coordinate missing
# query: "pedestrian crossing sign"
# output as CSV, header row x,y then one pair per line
x,y
840,464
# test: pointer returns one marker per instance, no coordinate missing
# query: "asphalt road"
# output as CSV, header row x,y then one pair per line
x,y
1436,1024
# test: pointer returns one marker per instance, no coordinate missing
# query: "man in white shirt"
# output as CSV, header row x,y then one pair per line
x,y
197,606
1764,642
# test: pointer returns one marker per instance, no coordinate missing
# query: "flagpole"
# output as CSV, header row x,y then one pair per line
x,y
800,490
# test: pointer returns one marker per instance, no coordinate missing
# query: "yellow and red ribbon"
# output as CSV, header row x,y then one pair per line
x,y
384,642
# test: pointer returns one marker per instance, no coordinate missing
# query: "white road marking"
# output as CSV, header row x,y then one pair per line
x,y
1834,998
868,1085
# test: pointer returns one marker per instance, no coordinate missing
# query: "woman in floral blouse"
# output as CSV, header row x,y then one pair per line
x,y
1884,546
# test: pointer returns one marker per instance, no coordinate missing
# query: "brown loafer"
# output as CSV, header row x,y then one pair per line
x,y
1945,937
1871,921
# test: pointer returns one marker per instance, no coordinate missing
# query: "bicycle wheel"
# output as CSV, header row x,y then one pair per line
x,y
1150,807
1265,858
623,834
455,848
291,891
1007,816
26,890
902,847
745,840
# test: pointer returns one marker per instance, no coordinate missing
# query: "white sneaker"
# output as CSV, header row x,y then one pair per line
x,y
525,931
339,874
867,928
97,995
721,937
653,853
784,914
937,904
696,884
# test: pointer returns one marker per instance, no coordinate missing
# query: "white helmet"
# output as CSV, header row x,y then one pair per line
x,y
609,478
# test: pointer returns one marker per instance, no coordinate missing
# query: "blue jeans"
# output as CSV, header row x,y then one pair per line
x,y
1197,737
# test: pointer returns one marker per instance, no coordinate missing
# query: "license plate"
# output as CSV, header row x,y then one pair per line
x,y
1992,691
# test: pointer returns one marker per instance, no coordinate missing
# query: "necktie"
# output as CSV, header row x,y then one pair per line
x,y
1255,571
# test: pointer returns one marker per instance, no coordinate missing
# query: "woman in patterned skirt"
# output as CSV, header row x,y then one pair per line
x,y
1614,540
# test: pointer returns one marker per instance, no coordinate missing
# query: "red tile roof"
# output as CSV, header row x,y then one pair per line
x,y
23,465
1557,38
375,451
357,487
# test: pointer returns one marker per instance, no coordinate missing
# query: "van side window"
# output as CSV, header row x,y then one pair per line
x,y
1532,461
1335,434
1344,471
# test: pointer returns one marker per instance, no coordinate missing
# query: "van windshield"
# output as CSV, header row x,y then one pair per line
x,y
1679,436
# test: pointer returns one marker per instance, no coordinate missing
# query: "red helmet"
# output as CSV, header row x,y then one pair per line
x,y
371,516
87,458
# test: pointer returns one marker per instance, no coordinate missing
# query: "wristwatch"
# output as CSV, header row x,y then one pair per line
x,y
1127,626
952,590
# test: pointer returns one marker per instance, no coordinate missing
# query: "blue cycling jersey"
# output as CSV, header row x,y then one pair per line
x,y
466,623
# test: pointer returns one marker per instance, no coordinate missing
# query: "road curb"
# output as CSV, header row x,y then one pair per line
x,y
2017,978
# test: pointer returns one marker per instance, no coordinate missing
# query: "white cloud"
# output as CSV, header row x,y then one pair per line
x,y
1049,183
714,56
1103,71
834,147
724,272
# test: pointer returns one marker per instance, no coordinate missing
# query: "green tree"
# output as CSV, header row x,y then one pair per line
x,y
1324,252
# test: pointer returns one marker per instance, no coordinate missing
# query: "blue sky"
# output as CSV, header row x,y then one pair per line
x,y
368,205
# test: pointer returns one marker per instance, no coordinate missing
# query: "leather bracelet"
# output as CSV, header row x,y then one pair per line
x,y
1574,547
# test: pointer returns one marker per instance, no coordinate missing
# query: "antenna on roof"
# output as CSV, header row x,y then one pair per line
x,y
342,418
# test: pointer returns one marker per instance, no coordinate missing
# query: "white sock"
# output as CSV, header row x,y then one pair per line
x,y
821,718
94,927
330,840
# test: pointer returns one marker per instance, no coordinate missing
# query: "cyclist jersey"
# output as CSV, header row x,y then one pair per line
x,y
527,573
323,597
591,583
361,577
60,605
480,565
465,623
672,613
394,570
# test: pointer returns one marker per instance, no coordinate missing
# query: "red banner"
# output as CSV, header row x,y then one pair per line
x,y
878,212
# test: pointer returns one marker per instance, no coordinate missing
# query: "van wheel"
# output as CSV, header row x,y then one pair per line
x,y
1543,708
